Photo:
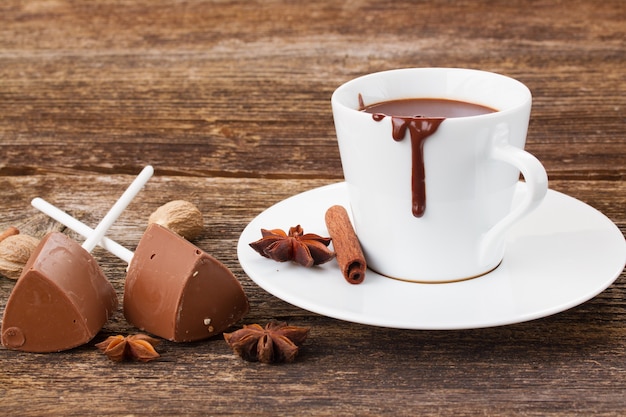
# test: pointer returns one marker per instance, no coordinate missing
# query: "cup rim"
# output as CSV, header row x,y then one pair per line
x,y
523,89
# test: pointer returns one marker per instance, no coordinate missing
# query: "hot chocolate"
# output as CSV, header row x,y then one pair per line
x,y
427,107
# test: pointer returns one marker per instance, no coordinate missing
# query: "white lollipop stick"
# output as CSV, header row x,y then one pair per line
x,y
81,228
118,208
96,237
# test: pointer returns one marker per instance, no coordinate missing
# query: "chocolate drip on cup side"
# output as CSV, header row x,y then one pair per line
x,y
420,128
417,116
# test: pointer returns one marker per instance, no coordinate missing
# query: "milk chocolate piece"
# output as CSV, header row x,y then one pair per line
x,y
61,300
178,292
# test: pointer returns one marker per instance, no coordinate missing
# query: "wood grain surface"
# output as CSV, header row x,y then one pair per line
x,y
230,102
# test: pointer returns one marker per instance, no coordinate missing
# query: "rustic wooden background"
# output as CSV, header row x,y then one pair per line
x,y
229,101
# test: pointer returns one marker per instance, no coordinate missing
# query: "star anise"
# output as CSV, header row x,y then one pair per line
x,y
305,249
139,347
277,342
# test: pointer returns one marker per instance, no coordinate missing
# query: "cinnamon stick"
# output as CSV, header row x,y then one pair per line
x,y
347,247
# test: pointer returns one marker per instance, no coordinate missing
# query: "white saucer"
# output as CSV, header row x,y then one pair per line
x,y
561,255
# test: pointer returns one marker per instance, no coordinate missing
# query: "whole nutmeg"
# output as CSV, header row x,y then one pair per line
x,y
179,216
15,250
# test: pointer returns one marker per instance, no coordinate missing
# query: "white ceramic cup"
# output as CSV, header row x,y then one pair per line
x,y
471,164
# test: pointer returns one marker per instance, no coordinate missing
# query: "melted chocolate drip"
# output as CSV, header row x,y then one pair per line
x,y
421,126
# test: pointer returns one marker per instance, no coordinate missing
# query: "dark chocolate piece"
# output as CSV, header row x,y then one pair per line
x,y
177,291
61,300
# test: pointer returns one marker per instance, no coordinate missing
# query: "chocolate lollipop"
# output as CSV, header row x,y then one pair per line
x,y
62,298
173,289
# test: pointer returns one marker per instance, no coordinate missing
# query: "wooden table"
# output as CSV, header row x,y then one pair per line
x,y
229,101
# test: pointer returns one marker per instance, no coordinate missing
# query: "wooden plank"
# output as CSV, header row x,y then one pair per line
x,y
534,368
101,104
229,100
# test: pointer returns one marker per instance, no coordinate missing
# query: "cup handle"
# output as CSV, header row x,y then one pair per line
x,y
536,180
